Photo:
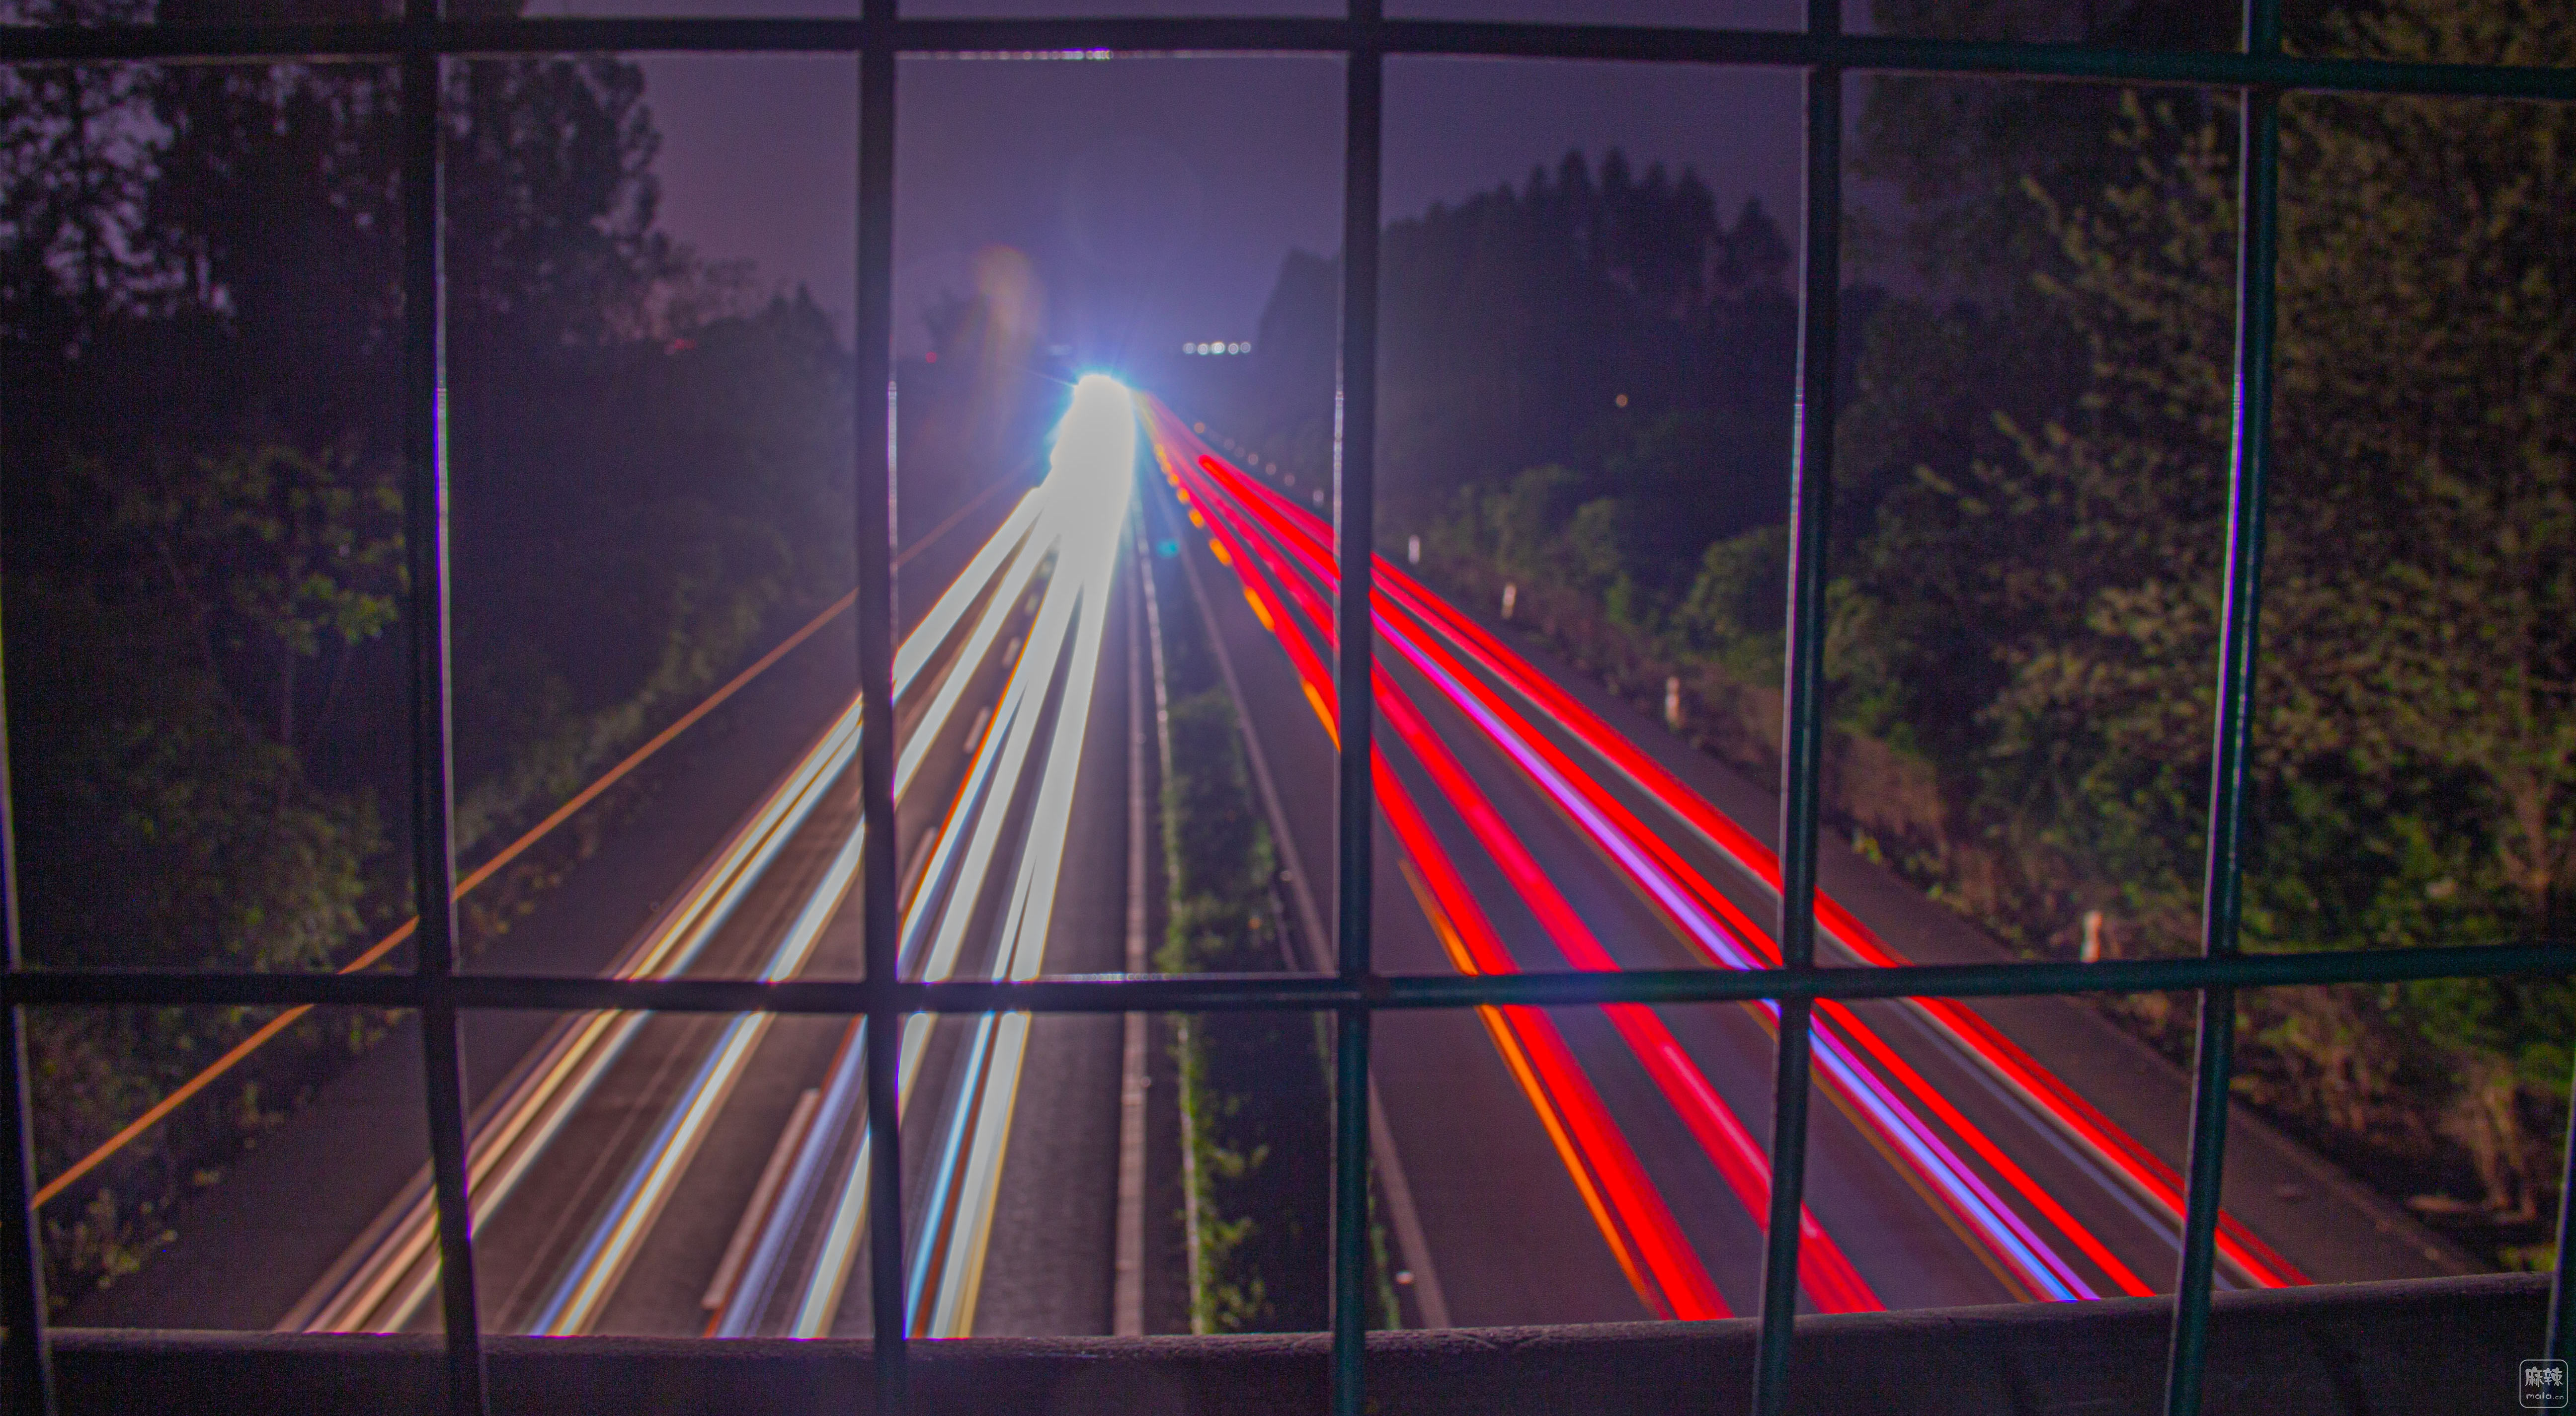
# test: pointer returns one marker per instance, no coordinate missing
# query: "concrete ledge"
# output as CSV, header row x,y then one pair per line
x,y
2432,1345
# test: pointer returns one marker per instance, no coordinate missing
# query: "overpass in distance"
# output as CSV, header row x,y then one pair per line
x,y
679,1175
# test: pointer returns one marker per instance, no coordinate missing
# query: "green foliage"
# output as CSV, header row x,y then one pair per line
x,y
1737,602
293,546
2420,578
601,605
2039,600
219,852
95,1068
275,555
1217,848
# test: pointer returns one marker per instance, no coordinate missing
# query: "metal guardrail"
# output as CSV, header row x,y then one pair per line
x,y
423,37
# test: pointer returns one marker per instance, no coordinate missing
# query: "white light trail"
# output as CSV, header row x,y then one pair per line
x,y
1087,490
585,1288
385,1289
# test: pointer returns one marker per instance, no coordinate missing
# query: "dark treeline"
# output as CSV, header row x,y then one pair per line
x,y
1514,325
2030,524
200,323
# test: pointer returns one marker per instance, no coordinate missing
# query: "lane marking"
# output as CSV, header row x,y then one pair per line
x,y
1127,1250
720,1287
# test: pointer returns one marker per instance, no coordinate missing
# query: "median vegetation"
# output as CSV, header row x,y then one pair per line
x,y
1255,1098
1256,1088
1255,1091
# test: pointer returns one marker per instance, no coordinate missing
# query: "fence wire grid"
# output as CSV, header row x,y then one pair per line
x,y
423,38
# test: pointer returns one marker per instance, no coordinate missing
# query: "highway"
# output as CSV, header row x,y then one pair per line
x,y
1594,1164
679,1174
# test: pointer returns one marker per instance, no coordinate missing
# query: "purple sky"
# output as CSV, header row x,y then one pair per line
x,y
1154,199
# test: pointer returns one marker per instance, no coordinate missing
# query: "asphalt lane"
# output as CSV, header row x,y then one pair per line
x,y
527,1246
242,1252
1908,1248
531,1244
1050,1263
2321,1219
1902,1247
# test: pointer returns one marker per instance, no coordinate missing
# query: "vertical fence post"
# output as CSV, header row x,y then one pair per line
x,y
2222,897
433,847
872,332
1354,540
2559,1340
1802,729
26,1366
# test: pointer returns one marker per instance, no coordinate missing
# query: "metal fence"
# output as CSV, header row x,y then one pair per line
x,y
422,39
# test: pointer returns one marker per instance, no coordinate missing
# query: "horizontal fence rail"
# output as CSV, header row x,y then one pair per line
x,y
1355,991
1039,38
1120,993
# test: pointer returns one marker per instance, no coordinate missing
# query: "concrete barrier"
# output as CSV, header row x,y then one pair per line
x,y
2435,1346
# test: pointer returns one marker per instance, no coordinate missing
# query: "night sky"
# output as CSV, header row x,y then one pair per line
x,y
1154,199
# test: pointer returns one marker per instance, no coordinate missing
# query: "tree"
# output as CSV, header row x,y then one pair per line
x,y
275,552
2421,578
2416,727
